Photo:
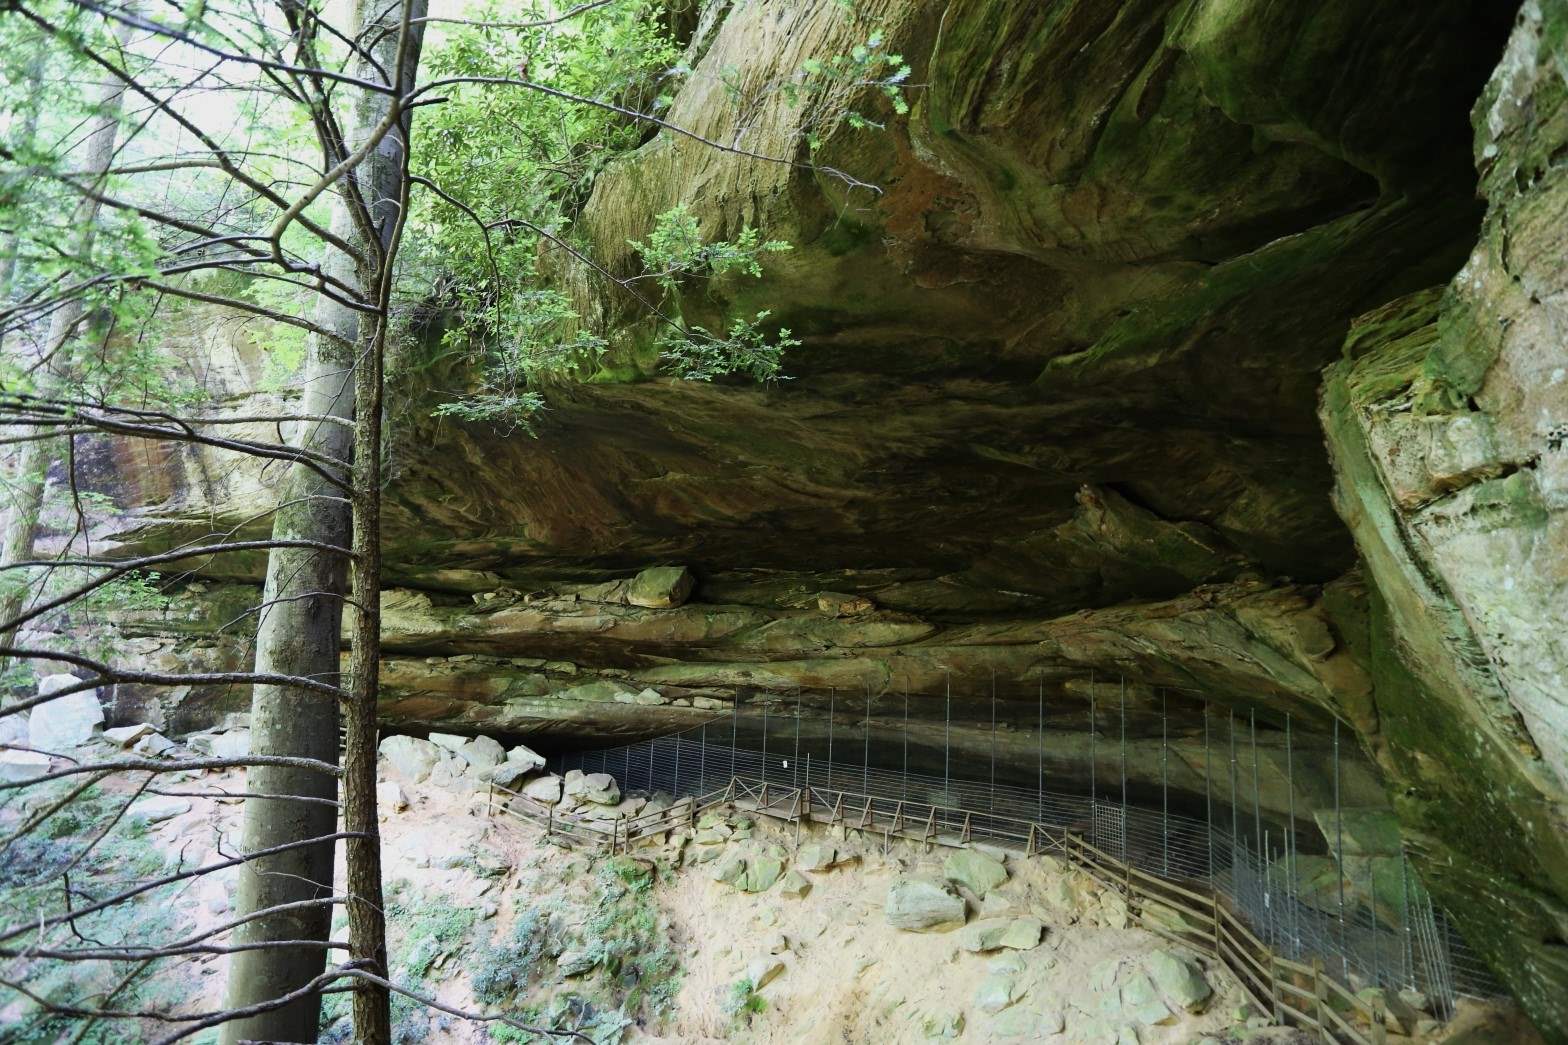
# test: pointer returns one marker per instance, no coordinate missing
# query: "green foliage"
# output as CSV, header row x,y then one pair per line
x,y
675,252
867,68
29,870
522,164
743,1002
501,971
623,934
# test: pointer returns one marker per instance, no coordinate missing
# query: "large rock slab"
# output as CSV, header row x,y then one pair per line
x,y
1178,979
65,722
920,903
409,759
597,788
660,587
974,870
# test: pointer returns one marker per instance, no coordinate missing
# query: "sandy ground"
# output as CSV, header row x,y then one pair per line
x,y
848,977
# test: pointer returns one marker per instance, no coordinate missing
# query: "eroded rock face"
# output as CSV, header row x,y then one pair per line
x,y
1053,413
1446,421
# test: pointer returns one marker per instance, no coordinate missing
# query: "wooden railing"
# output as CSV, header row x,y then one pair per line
x,y
1196,915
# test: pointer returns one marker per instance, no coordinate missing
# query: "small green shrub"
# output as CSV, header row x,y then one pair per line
x,y
502,970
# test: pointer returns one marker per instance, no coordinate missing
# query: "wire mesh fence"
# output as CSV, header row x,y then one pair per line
x,y
1350,928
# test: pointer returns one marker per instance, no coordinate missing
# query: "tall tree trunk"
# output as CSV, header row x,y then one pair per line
x,y
33,462
301,627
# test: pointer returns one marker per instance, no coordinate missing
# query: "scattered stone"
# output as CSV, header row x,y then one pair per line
x,y
599,788
65,722
525,756
920,903
483,753
816,857
1179,980
155,745
409,759
390,797
942,1025
1027,1024
156,808
125,736
761,873
575,963
976,871
1113,911
508,774
990,934
778,943
1023,934
996,992
451,741
763,971
22,765
796,885
233,744
660,587
546,789
648,697
730,869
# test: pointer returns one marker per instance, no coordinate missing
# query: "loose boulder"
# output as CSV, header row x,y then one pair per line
x,y
525,756
795,885
976,871
483,753
761,873
409,759
920,903
996,992
598,788
125,736
816,857
763,971
1178,979
660,587
67,721
990,934
546,789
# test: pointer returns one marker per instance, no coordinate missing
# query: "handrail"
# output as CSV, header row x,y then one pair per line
x,y
1256,967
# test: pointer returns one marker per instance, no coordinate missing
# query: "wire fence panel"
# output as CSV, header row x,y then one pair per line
x,y
1258,882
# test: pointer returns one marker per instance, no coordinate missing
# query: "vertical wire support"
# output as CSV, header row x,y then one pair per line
x,y
1339,857
675,789
1377,971
947,734
832,705
702,763
1165,791
794,765
1235,799
904,788
991,806
1093,766
734,723
1039,755
1290,836
865,749
764,742
1123,701
1257,801
1404,889
1208,792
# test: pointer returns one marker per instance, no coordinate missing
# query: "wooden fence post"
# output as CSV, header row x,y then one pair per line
x,y
1319,996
